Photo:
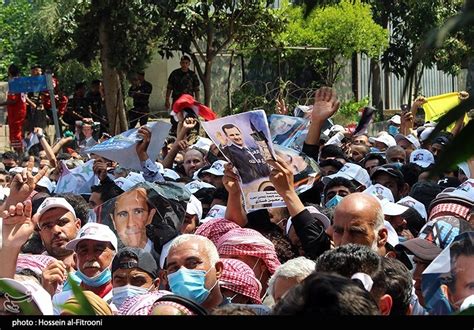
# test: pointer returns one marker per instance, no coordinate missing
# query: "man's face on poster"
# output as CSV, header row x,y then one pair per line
x,y
284,125
131,216
234,135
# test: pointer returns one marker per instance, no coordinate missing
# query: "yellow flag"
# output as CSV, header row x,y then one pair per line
x,y
437,106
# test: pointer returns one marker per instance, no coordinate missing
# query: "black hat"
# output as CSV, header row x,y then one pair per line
x,y
143,260
390,170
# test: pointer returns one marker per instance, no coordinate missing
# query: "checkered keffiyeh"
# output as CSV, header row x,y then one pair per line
x,y
455,210
238,277
34,262
181,308
141,304
214,229
249,242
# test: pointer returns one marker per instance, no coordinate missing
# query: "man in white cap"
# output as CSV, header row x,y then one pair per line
x,y
214,174
408,142
95,246
383,141
59,220
193,216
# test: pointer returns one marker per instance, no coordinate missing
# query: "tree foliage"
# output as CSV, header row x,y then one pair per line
x,y
344,29
205,29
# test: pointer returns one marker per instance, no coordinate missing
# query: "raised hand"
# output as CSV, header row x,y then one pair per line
x,y
189,123
231,180
100,169
23,184
221,138
325,104
281,177
281,108
54,274
18,225
142,146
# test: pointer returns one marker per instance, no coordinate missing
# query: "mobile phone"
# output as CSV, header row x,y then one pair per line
x,y
405,108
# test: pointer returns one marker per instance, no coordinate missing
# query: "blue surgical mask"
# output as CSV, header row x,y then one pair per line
x,y
72,277
393,130
374,150
397,165
96,281
121,293
92,215
190,283
334,201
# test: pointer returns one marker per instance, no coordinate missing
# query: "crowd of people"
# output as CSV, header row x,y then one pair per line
x,y
174,238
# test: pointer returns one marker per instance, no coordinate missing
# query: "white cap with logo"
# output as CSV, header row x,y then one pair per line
x,y
95,232
55,202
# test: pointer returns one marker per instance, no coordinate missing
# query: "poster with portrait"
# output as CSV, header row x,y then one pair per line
x,y
306,171
288,131
121,147
147,215
244,139
452,268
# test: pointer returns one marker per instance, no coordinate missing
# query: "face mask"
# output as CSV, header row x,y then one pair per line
x,y
96,281
393,130
190,283
334,201
374,150
92,215
398,165
121,293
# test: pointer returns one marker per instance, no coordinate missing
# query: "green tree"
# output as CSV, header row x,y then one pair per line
x,y
344,29
205,29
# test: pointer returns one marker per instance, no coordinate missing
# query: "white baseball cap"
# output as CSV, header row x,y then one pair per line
x,y
351,172
418,206
55,202
410,138
379,191
45,182
197,185
170,174
31,290
392,209
386,139
194,207
422,157
464,191
392,237
396,119
217,168
425,133
203,143
216,212
465,168
95,232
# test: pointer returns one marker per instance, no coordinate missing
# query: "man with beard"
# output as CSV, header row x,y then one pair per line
x,y
59,220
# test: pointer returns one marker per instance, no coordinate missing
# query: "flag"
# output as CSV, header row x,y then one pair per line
x,y
437,106
121,147
186,101
27,84
78,180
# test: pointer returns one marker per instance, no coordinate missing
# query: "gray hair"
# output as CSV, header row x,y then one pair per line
x,y
298,268
209,247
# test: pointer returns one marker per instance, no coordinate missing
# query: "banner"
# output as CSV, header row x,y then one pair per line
x,y
121,148
288,131
78,180
244,139
437,106
27,84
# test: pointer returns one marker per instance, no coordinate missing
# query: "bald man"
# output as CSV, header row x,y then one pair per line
x,y
358,219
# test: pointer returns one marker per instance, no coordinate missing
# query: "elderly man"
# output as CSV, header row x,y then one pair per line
x,y
134,272
95,246
359,219
193,269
